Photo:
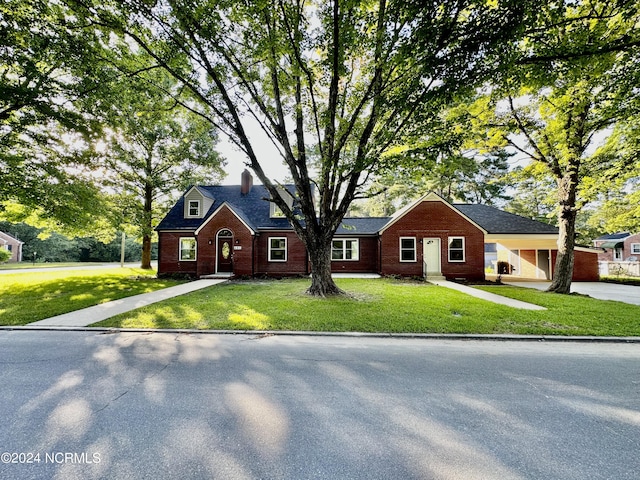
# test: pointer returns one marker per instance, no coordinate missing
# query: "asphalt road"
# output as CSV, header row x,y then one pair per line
x,y
82,405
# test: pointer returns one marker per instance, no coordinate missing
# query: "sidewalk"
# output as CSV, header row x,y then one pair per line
x,y
97,313
491,297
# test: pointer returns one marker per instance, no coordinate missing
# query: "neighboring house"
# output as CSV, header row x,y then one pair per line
x,y
619,254
236,230
13,245
618,247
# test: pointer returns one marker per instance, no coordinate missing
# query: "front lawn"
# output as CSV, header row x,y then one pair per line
x,y
381,305
30,265
30,296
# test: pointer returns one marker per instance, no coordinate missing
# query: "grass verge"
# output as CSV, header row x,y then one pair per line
x,y
381,305
29,265
30,296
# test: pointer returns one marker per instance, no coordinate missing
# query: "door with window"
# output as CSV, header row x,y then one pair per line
x,y
225,251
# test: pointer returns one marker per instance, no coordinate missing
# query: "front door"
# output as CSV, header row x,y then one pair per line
x,y
225,254
431,256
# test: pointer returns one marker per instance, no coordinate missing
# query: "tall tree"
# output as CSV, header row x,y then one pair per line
x,y
46,68
444,159
334,85
154,147
577,77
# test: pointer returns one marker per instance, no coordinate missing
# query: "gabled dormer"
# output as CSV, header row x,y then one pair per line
x,y
197,203
274,210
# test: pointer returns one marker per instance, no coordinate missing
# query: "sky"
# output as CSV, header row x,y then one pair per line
x,y
268,157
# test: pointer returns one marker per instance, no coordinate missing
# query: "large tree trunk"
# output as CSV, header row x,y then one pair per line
x,y
146,252
322,284
147,226
563,272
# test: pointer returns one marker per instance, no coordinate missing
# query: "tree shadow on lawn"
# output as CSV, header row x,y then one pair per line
x,y
29,302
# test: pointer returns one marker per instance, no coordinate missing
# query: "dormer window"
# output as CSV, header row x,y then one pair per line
x,y
274,210
193,208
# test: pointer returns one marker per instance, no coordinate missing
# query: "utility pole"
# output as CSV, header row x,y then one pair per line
x,y
122,250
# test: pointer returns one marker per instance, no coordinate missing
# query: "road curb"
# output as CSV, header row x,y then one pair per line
x,y
264,333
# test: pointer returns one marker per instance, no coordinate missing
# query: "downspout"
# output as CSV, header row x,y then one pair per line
x,y
253,255
197,256
379,255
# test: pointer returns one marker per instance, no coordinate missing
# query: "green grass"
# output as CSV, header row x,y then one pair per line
x,y
29,265
382,305
30,296
621,279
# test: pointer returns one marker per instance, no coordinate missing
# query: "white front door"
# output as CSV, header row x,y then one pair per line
x,y
431,256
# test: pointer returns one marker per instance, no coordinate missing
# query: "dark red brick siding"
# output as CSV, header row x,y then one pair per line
x,y
296,263
169,254
585,266
242,238
434,219
367,258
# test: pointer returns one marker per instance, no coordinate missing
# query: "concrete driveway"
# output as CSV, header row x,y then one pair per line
x,y
600,290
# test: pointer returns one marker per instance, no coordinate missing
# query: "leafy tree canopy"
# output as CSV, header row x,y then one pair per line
x,y
334,85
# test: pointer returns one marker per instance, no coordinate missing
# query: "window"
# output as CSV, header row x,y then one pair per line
x,y
275,211
277,249
635,248
456,249
344,249
407,249
194,208
617,254
187,249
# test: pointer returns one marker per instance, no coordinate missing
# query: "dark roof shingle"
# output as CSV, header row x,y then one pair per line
x,y
494,220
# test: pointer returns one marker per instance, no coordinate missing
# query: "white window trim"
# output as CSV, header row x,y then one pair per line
x,y
197,215
195,250
414,249
635,248
464,249
344,250
275,211
618,254
286,249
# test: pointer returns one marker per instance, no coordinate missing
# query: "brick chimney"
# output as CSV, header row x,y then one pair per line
x,y
246,182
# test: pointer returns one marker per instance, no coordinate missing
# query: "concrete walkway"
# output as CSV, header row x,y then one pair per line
x,y
491,297
97,313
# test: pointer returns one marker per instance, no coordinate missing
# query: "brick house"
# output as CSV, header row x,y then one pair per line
x,y
619,254
236,230
618,247
13,245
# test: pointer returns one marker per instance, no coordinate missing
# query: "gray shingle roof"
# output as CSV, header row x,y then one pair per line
x,y
252,208
614,236
362,225
497,221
